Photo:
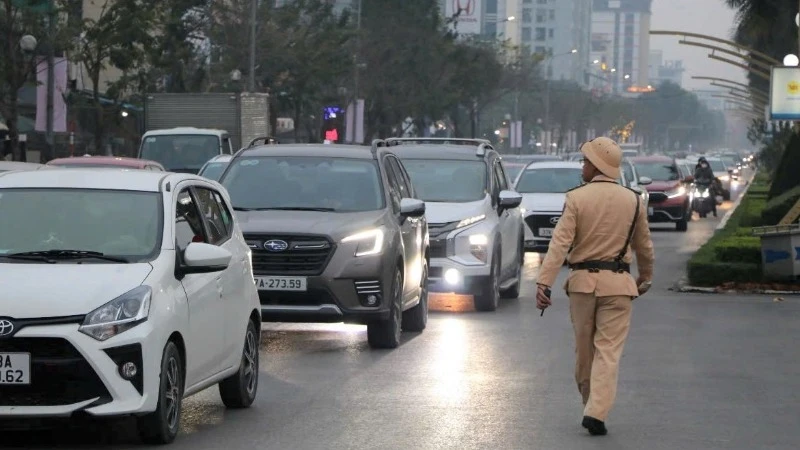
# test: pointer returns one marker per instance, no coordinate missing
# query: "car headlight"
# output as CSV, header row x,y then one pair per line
x,y
477,246
118,315
677,192
470,221
370,242
724,178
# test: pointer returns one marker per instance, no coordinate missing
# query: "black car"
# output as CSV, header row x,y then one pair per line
x,y
336,233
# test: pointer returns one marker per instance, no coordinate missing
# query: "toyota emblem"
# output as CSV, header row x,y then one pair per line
x,y
6,328
554,220
276,245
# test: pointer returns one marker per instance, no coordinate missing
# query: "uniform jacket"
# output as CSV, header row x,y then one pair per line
x,y
595,222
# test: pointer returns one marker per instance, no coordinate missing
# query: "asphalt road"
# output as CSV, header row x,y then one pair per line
x,y
698,372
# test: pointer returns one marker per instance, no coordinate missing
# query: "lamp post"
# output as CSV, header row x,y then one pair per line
x,y
251,75
547,87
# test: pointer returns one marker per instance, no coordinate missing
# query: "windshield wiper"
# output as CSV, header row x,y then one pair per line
x,y
286,208
52,255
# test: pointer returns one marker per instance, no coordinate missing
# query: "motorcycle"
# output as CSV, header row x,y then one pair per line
x,y
705,200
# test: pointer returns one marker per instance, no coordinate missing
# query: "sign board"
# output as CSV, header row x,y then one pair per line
x,y
469,19
784,93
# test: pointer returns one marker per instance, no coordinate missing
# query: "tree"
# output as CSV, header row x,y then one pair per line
x,y
18,18
116,39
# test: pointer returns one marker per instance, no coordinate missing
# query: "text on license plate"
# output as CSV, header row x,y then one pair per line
x,y
15,368
281,283
545,231
650,211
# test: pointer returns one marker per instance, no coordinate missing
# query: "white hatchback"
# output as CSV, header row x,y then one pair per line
x,y
122,293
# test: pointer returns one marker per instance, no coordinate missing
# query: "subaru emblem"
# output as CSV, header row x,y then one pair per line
x,y
554,220
6,328
276,245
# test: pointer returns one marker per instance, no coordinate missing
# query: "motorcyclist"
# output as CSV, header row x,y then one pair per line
x,y
703,174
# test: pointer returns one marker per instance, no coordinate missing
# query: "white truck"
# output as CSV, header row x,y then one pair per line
x,y
184,131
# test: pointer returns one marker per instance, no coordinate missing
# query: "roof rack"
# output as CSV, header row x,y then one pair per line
x,y
267,141
483,144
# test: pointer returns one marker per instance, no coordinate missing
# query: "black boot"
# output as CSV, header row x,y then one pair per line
x,y
595,427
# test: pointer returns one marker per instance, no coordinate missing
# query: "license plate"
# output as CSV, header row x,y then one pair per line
x,y
281,283
15,368
650,211
545,231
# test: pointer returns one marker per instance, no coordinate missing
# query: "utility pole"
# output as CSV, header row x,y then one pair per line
x,y
50,154
547,103
251,75
356,60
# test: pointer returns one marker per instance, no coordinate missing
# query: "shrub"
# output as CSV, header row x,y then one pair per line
x,y
778,206
738,249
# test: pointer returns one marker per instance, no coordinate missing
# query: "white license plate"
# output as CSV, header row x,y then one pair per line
x,y
281,283
15,368
545,231
650,211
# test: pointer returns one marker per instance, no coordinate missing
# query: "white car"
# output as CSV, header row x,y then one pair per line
x,y
544,187
122,293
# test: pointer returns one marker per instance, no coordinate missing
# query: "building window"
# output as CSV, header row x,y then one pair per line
x,y
541,2
540,16
526,15
526,34
541,50
541,34
552,14
491,28
527,2
491,6
551,33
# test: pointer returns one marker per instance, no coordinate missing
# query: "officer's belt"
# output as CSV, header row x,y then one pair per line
x,y
596,266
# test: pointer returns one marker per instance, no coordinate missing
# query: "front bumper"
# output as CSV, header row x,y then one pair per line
x,y
539,226
449,275
73,373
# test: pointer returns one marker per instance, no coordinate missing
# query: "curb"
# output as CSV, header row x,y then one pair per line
x,y
738,201
681,286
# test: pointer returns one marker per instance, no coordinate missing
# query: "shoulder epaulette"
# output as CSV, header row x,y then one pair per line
x,y
577,187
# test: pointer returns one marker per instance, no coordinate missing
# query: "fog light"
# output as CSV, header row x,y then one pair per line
x,y
128,370
372,300
452,276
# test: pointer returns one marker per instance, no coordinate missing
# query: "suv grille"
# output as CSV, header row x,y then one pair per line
x,y
537,221
657,197
438,238
304,255
59,375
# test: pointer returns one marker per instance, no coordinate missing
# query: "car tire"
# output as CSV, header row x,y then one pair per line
x,y
161,426
682,225
489,296
513,291
416,318
386,333
239,390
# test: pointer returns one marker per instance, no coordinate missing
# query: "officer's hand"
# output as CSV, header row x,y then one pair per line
x,y
542,300
643,285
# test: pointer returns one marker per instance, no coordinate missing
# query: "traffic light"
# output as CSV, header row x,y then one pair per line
x,y
333,126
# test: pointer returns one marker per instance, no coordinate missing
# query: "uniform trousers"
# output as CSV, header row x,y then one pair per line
x,y
601,327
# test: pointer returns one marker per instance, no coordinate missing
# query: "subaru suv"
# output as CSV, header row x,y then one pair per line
x,y
476,229
336,234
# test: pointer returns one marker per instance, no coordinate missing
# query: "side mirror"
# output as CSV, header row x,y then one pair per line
x,y
637,189
412,207
644,181
200,257
689,179
510,199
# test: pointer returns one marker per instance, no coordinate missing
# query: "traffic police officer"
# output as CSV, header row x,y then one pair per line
x,y
601,219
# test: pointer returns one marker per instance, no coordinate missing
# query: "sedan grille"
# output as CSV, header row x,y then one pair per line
x,y
657,197
302,255
536,222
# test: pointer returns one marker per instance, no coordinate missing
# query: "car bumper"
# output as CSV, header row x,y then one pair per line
x,y
73,373
340,294
662,213
450,276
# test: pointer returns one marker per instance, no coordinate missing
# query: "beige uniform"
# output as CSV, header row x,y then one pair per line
x,y
596,220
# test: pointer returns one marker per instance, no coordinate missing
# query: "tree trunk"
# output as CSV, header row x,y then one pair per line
x,y
98,114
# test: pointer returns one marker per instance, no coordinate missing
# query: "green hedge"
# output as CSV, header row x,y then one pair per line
x,y
776,208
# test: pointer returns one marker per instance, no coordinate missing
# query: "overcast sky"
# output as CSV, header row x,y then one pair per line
x,y
709,17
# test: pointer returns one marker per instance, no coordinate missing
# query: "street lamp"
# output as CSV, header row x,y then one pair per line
x,y
791,60
28,43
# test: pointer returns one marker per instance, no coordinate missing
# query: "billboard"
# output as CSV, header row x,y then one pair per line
x,y
784,93
470,15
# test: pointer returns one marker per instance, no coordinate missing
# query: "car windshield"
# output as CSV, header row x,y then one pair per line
x,y
547,180
126,224
627,171
297,182
213,171
180,152
447,180
658,171
513,169
717,165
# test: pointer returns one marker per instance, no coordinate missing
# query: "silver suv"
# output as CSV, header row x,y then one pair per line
x,y
474,220
336,235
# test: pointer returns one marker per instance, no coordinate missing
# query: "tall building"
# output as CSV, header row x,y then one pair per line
x,y
620,44
561,29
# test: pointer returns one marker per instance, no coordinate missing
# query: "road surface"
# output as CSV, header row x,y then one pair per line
x,y
698,372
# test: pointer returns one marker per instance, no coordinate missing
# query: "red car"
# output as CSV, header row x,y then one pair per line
x,y
669,198
107,161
